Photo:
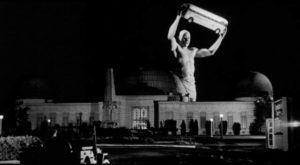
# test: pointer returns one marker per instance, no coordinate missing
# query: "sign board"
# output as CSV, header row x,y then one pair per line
x,y
278,139
87,155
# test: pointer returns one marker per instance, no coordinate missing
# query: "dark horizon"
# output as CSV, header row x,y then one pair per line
x,y
70,45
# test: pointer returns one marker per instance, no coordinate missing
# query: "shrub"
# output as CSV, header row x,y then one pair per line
x,y
208,127
11,147
256,129
170,125
183,128
191,127
236,127
224,125
196,127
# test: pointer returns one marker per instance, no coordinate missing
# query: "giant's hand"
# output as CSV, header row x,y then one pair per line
x,y
182,9
223,33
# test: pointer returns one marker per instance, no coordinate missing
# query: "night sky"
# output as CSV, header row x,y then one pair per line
x,y
69,45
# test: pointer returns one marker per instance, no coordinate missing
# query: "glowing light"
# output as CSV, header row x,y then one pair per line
x,y
294,124
221,115
211,120
48,120
1,117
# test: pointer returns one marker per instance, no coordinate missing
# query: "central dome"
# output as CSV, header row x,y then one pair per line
x,y
253,85
147,82
35,88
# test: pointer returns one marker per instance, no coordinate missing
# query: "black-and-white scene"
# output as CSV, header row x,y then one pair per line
x,y
149,82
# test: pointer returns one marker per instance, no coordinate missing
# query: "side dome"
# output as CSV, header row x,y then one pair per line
x,y
253,85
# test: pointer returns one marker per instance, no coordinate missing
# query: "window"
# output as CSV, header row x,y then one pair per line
x,y
109,110
92,118
52,119
108,114
244,120
78,118
140,117
230,119
216,120
39,119
189,116
169,115
202,119
65,119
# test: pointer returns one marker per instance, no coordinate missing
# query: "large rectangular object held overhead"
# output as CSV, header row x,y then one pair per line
x,y
204,18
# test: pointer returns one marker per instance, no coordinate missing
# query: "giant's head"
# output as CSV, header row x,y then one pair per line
x,y
184,38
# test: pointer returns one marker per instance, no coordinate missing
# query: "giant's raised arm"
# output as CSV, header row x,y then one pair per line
x,y
217,43
172,32
212,50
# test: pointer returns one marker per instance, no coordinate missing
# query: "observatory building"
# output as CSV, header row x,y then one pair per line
x,y
147,96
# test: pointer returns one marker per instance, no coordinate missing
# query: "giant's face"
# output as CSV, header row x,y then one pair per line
x,y
186,39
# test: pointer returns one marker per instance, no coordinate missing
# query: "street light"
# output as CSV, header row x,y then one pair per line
x,y
211,127
221,116
1,118
273,121
49,122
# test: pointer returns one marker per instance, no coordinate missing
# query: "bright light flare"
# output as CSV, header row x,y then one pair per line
x,y
294,124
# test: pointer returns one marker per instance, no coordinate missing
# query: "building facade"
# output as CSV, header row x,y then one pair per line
x,y
134,111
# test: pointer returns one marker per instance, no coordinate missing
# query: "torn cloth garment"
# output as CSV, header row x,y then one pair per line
x,y
186,86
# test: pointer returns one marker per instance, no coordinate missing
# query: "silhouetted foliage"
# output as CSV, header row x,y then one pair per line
x,y
23,126
161,129
256,129
13,147
56,149
43,130
191,127
224,125
208,124
85,130
183,128
196,127
16,120
236,127
148,124
170,125
261,112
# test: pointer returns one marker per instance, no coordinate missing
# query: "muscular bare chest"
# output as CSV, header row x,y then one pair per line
x,y
186,57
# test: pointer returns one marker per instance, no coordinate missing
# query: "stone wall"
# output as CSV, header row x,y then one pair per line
x,y
179,111
48,110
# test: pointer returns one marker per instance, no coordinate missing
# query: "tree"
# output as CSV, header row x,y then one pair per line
x,y
183,128
208,124
23,126
148,124
236,127
191,127
254,128
16,119
161,127
173,127
261,112
196,127
224,125
170,126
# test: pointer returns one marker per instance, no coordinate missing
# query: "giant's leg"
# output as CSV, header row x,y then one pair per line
x,y
180,89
